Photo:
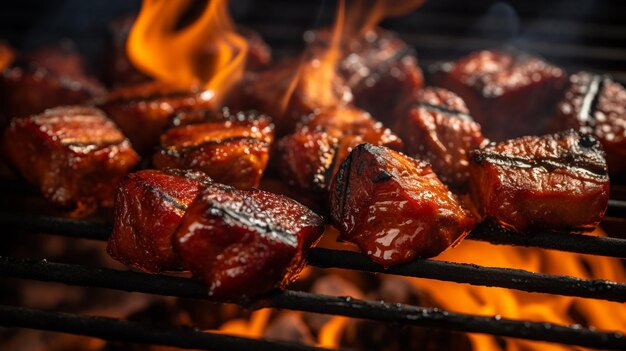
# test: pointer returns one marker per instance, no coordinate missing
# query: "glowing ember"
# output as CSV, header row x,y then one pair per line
x,y
208,50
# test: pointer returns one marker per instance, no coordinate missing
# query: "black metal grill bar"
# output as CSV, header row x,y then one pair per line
x,y
302,301
127,331
585,244
476,275
578,243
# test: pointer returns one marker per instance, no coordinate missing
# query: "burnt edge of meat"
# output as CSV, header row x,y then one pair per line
x,y
590,157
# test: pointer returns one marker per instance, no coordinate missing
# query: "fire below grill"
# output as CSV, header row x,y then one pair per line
x,y
294,300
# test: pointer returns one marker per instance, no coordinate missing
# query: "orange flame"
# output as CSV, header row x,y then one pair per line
x,y
207,51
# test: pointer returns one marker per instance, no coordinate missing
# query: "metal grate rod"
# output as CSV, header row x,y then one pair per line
x,y
569,242
302,301
127,331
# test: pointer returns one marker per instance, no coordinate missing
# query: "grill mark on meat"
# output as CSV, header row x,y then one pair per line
x,y
259,225
590,101
163,194
443,110
550,164
176,151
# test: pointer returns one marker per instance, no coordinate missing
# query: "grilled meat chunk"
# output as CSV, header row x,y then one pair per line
x,y
149,207
289,91
394,207
45,79
143,111
245,242
509,93
232,151
436,127
378,67
73,153
596,104
554,182
310,157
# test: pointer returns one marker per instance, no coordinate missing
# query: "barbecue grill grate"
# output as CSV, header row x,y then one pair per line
x,y
379,311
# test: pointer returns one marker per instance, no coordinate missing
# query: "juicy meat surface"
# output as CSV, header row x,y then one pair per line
x,y
231,150
555,182
311,156
143,111
508,92
436,127
394,207
149,207
379,68
73,153
246,242
30,86
596,104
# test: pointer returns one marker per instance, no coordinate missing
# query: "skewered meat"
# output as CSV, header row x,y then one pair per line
x,y
143,111
233,150
245,242
379,68
556,181
149,206
310,157
394,207
289,91
596,104
73,153
44,79
436,127
507,92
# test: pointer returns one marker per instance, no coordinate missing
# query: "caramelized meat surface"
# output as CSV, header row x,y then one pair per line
x,y
555,182
379,68
73,153
246,242
143,111
596,104
50,78
394,207
149,207
436,127
232,150
310,157
507,92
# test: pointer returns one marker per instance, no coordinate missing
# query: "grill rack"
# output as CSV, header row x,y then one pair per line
x,y
115,329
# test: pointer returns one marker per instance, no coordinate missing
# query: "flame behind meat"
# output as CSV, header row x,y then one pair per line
x,y
206,51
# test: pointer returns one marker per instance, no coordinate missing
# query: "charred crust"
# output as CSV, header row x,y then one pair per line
x,y
194,175
381,176
342,186
588,141
159,193
477,156
443,109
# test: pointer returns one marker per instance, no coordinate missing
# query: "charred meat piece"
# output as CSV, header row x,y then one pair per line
x,y
73,153
245,242
554,182
394,207
149,207
379,68
436,127
45,79
232,151
143,111
289,91
507,92
596,104
310,157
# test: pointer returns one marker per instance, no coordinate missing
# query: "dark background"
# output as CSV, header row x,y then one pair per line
x,y
573,33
